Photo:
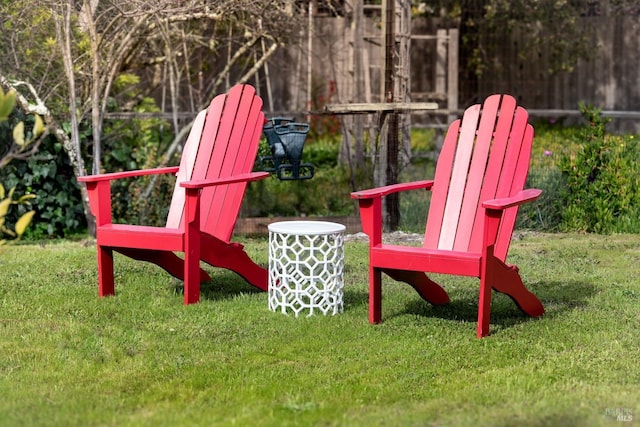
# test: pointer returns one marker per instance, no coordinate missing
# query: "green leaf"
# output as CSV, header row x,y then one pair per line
x,y
18,134
23,222
1,191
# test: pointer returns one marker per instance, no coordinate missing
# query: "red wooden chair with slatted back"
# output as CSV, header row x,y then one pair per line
x,y
214,171
476,191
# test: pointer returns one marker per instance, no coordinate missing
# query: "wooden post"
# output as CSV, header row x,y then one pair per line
x,y
310,59
392,204
359,77
452,75
441,62
403,79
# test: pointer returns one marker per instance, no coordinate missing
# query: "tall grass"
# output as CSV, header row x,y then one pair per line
x,y
142,358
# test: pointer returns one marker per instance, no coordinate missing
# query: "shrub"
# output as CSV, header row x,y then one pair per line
x,y
6,201
602,193
127,145
545,214
18,142
327,193
49,176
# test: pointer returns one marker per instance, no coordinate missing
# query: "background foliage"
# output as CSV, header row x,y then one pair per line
x,y
16,141
590,180
602,192
47,175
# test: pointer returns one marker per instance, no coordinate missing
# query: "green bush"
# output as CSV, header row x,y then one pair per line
x,y
589,178
17,143
49,176
322,152
327,193
602,180
545,214
7,200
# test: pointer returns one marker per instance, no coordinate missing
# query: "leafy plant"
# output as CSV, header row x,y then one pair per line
x,y
22,142
49,176
6,201
17,145
602,180
327,193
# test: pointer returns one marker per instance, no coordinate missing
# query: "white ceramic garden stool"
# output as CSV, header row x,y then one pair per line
x,y
306,267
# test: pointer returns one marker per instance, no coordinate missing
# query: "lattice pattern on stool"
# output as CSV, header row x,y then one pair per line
x,y
306,273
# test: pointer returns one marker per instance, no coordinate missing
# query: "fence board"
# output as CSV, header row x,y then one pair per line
x,y
609,80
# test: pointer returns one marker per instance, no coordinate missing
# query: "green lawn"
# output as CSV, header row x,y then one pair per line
x,y
68,358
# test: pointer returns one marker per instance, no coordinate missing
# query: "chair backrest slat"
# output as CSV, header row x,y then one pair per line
x,y
459,173
504,184
187,165
224,201
441,186
519,181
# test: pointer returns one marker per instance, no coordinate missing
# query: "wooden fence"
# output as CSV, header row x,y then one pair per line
x,y
610,79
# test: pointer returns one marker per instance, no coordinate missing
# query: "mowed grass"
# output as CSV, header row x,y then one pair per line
x,y
68,358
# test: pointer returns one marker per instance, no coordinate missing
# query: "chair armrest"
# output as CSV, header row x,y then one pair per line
x,y
389,189
495,213
127,174
99,189
523,196
245,177
370,204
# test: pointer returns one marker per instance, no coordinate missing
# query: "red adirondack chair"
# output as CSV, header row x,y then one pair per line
x,y
214,171
476,191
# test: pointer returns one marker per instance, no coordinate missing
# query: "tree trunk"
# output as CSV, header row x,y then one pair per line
x,y
71,145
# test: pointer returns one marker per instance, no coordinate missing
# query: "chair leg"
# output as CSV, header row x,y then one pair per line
x,y
504,279
105,272
168,261
192,262
232,256
507,280
487,276
428,290
484,307
375,295
191,280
